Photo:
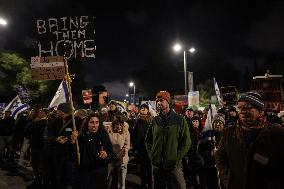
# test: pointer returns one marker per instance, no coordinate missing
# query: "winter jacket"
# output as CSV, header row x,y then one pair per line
x,y
35,131
90,145
257,166
120,142
168,140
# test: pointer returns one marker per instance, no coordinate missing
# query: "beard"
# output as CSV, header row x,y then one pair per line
x,y
248,121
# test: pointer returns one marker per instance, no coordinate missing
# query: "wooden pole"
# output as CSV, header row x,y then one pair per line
x,y
72,106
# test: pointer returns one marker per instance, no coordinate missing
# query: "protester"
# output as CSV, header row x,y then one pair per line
x,y
120,139
62,160
35,132
24,152
113,111
189,113
95,154
192,161
143,121
232,117
6,132
218,125
250,154
167,142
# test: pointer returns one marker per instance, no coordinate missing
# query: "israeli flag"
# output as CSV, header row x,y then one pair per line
x,y
61,95
218,94
207,132
16,106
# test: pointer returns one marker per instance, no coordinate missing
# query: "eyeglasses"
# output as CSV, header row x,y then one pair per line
x,y
92,122
242,108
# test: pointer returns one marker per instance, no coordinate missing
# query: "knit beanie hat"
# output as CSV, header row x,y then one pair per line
x,y
65,107
254,98
219,117
163,95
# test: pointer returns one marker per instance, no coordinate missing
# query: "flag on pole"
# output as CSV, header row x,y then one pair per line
x,y
16,106
60,96
218,94
207,132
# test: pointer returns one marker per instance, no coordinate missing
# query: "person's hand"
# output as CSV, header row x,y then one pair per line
x,y
74,136
61,139
102,154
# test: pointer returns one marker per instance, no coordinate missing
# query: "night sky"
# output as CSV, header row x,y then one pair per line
x,y
234,40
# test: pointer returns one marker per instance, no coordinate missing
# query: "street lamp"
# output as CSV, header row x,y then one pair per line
x,y
177,47
3,22
131,84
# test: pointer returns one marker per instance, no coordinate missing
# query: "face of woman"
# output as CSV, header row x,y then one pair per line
x,y
118,128
218,126
93,125
195,123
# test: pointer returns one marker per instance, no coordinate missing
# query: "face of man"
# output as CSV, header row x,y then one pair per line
x,y
41,114
60,113
248,113
162,105
189,113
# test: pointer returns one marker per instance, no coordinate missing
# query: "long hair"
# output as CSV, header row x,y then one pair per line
x,y
120,119
85,130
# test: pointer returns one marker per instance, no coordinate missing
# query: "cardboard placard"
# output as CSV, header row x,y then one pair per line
x,y
87,96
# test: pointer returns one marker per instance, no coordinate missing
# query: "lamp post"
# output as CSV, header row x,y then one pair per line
x,y
131,84
177,47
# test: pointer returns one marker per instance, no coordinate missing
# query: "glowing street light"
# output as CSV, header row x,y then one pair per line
x,y
131,84
177,47
3,22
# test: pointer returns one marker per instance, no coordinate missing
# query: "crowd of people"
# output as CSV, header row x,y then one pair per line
x,y
239,147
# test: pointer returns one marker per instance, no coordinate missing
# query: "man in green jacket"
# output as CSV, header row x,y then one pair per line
x,y
167,142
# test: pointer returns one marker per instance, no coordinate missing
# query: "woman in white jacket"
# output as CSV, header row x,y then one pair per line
x,y
120,139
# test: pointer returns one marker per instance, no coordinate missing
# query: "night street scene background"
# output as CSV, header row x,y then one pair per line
x,y
110,44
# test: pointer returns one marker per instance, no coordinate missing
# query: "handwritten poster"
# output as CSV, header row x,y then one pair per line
x,y
72,36
47,68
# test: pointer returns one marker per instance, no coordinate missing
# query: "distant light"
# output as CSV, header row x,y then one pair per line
x,y
131,84
124,100
177,47
3,22
192,50
127,95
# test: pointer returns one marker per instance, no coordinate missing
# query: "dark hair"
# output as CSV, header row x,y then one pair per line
x,y
85,130
118,120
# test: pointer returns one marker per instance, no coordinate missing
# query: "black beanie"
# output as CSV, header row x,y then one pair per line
x,y
254,98
65,107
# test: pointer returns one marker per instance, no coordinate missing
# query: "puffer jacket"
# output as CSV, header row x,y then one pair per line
x,y
168,140
257,166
